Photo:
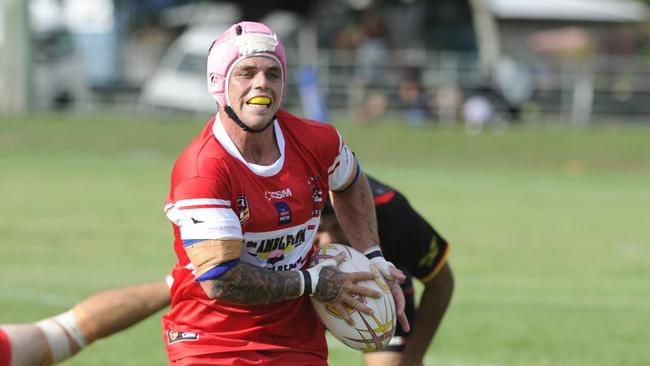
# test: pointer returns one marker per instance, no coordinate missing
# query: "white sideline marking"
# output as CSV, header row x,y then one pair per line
x,y
432,361
38,297
562,301
335,345
630,250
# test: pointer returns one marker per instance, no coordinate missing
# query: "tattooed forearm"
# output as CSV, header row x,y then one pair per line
x,y
329,285
250,285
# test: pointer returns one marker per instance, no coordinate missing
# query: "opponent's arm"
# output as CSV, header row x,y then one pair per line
x,y
431,309
111,311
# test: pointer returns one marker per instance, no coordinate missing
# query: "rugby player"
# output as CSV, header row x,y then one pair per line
x,y
408,241
245,202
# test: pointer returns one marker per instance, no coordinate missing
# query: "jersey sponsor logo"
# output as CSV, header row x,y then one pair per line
x,y
244,211
275,249
287,267
430,258
316,195
284,212
278,195
175,337
316,191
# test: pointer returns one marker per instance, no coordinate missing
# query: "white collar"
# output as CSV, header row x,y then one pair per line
x,y
263,170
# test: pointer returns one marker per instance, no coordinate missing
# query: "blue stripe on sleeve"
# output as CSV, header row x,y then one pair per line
x,y
356,178
218,270
356,175
188,242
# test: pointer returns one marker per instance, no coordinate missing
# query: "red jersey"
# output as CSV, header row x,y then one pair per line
x,y
275,210
5,349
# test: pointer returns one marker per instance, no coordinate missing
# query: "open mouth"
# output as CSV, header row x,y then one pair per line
x,y
265,101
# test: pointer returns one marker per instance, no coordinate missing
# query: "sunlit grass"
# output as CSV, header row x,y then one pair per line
x,y
550,231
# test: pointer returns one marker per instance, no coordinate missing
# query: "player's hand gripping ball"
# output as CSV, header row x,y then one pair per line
x,y
370,332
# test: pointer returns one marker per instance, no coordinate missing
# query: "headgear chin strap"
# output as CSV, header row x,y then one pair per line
x,y
233,116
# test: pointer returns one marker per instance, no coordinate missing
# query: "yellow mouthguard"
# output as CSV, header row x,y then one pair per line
x,y
260,100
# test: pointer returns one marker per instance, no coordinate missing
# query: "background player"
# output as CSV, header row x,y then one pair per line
x,y
100,315
410,243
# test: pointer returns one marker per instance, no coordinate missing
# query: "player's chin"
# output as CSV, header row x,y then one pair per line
x,y
257,118
257,122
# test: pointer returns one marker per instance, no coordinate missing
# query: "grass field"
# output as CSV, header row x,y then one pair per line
x,y
550,230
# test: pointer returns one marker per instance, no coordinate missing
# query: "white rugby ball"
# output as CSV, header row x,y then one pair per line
x,y
370,332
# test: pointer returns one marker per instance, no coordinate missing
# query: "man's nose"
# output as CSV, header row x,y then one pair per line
x,y
261,80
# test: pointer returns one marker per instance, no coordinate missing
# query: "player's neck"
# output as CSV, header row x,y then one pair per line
x,y
259,148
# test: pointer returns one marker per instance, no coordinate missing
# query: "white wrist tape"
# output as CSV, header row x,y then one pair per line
x,y
309,277
377,258
373,251
59,332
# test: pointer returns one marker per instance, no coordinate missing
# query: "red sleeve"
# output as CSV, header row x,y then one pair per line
x,y
5,349
200,187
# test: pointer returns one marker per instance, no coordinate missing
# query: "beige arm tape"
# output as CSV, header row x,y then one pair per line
x,y
210,253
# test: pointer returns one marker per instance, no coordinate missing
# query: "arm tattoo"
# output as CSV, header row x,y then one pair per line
x,y
329,285
251,285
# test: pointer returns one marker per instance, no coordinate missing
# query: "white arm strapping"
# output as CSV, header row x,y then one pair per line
x,y
377,258
309,277
57,331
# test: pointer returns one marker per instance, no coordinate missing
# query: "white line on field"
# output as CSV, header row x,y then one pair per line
x,y
635,251
38,297
335,346
569,302
433,361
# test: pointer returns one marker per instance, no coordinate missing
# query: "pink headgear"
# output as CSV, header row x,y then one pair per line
x,y
241,40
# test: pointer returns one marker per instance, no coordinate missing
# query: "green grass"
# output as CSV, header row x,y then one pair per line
x,y
550,231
